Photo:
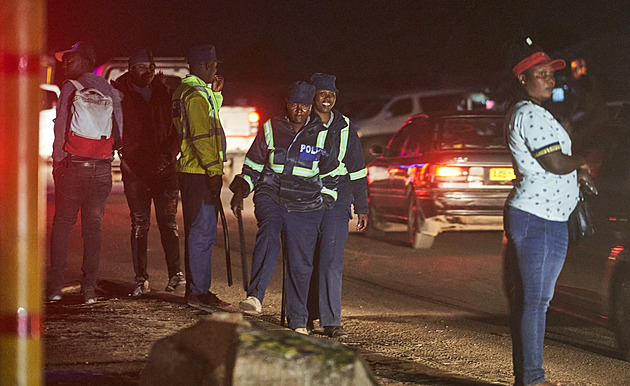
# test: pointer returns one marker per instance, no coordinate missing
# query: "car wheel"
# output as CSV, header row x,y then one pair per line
x,y
415,219
621,313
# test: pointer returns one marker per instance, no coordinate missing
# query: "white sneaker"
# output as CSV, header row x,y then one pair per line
x,y
302,330
251,305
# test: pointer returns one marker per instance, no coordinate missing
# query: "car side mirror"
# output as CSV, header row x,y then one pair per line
x,y
376,150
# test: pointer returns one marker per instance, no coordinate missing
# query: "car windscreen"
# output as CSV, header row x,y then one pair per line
x,y
471,133
364,108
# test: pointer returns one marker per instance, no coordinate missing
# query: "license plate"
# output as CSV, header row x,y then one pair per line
x,y
502,174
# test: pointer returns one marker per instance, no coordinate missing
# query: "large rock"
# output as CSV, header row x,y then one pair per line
x,y
226,350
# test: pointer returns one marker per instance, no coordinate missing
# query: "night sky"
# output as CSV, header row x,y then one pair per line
x,y
381,44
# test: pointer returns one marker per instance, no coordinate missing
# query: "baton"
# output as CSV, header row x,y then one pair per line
x,y
241,234
285,256
226,238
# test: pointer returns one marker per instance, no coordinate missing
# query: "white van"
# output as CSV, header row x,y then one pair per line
x,y
240,122
47,114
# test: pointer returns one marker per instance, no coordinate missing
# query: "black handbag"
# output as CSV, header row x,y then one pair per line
x,y
580,222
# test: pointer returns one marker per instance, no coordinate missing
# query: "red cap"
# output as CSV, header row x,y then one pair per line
x,y
535,59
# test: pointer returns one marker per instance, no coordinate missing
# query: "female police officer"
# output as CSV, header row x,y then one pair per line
x,y
324,301
284,166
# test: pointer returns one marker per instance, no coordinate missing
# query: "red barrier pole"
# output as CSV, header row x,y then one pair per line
x,y
22,225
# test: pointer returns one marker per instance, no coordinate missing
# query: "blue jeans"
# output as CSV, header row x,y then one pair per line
x,y
80,184
535,255
300,231
163,190
199,200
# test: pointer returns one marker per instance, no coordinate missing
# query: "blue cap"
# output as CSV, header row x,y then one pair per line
x,y
142,56
302,93
202,54
323,81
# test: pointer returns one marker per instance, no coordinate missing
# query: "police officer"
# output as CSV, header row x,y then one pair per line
x,y
196,116
351,188
287,166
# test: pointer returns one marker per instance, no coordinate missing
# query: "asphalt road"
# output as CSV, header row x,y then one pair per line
x,y
434,317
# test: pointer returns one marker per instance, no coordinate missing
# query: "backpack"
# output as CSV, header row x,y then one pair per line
x,y
89,132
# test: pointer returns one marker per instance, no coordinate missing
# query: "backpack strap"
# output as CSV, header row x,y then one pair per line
x,y
76,84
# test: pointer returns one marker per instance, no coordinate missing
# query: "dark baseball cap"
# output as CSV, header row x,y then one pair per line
x,y
323,81
142,56
302,93
202,54
84,49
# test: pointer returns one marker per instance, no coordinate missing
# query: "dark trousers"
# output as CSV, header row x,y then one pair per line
x,y
163,191
80,184
324,297
301,231
200,229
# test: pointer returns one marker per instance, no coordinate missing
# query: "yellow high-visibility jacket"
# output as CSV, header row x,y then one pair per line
x,y
196,117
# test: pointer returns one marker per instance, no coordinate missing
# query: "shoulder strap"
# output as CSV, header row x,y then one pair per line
x,y
76,84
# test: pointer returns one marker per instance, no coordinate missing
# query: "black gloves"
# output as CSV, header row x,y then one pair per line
x,y
240,188
214,185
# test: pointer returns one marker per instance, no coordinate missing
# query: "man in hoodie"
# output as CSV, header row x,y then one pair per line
x,y
196,104
148,165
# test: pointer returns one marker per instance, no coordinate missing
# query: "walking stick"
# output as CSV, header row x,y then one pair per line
x,y
241,234
285,254
226,238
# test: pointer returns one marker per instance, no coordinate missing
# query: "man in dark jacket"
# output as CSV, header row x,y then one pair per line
x,y
286,166
149,152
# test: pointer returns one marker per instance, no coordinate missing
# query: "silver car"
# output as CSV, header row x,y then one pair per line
x,y
441,172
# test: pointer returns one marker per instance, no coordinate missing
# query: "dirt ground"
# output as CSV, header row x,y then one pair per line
x,y
108,343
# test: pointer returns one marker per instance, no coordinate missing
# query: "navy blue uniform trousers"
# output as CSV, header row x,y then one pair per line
x,y
200,229
301,230
324,300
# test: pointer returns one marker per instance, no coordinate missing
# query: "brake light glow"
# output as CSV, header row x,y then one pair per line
x,y
450,171
254,117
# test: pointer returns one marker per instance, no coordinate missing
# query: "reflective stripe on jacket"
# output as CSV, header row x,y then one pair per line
x,y
196,116
287,165
350,174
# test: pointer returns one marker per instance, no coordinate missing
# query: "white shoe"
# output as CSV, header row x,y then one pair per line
x,y
251,305
302,330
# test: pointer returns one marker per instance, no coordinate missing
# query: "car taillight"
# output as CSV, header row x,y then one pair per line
x,y
254,117
450,174
450,171
253,122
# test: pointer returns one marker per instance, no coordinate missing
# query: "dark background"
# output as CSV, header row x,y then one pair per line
x,y
369,45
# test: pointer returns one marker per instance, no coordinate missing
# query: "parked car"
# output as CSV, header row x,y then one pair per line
x,y
378,118
595,281
448,171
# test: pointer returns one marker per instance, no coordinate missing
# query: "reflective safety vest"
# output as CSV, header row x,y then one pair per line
x,y
196,117
293,168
